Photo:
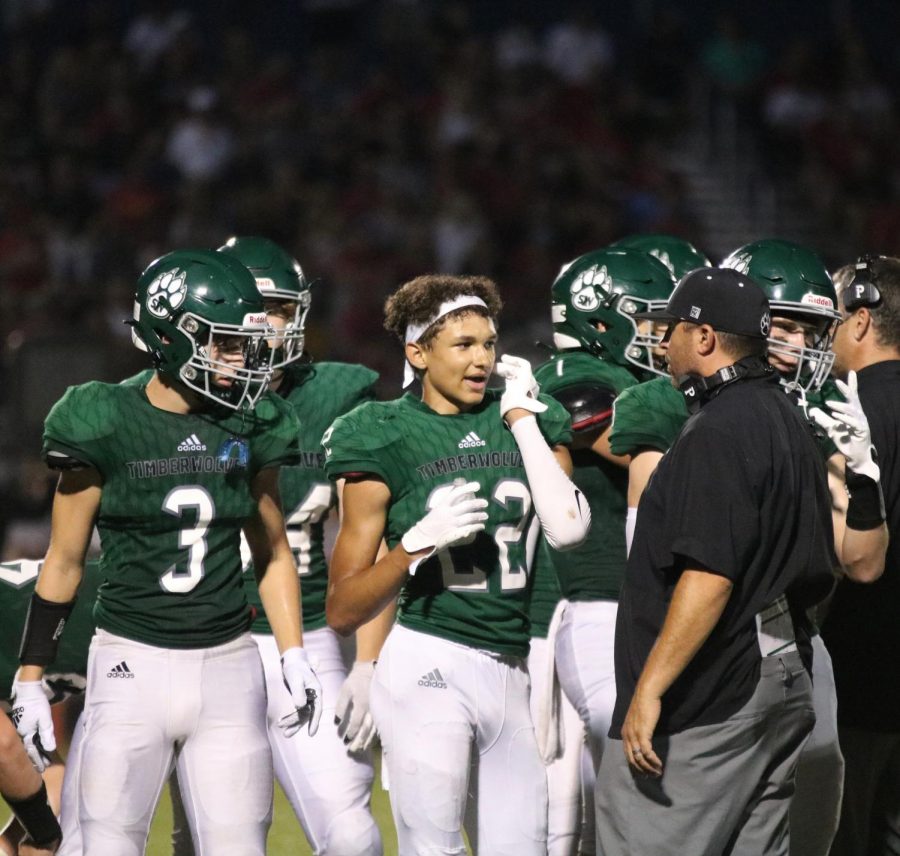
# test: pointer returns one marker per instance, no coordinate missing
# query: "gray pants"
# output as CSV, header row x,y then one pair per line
x,y
870,814
725,788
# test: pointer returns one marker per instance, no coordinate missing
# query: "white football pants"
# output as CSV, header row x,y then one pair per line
x,y
436,701
565,808
584,660
328,787
147,706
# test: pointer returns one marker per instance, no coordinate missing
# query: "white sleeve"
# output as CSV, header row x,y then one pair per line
x,y
630,520
562,508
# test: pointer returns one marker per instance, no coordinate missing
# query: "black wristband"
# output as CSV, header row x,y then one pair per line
x,y
43,627
866,507
37,818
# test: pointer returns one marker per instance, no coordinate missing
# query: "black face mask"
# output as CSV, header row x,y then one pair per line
x,y
698,390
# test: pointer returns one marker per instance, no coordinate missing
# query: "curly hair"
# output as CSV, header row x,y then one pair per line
x,y
419,299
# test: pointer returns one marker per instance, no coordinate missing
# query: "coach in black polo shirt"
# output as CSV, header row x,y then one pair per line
x,y
733,539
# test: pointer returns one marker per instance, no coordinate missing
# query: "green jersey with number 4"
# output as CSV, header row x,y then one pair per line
x,y
319,393
475,594
176,491
593,570
66,674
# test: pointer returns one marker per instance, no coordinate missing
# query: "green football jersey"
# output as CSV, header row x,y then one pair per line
x,y
319,393
66,674
176,491
142,378
651,415
647,416
475,594
593,570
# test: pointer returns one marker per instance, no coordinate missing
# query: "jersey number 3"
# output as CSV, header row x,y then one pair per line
x,y
192,538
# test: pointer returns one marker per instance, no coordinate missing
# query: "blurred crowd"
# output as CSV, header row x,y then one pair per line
x,y
379,139
822,109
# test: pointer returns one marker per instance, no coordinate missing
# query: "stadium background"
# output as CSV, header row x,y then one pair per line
x,y
379,139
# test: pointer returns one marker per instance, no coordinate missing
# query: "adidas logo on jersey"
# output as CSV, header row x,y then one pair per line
x,y
120,671
192,444
433,679
470,440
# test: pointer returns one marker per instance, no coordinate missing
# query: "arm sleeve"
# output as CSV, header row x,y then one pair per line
x,y
562,509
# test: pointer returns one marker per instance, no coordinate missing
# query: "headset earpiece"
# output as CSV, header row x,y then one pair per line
x,y
862,291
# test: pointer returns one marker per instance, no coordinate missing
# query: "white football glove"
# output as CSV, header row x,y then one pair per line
x,y
456,516
848,428
305,690
521,387
351,713
34,722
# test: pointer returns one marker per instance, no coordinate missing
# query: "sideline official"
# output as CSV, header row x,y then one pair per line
x,y
733,539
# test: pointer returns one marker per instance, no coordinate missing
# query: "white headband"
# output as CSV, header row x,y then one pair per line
x,y
414,331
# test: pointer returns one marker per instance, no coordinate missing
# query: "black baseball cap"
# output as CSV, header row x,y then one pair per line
x,y
721,297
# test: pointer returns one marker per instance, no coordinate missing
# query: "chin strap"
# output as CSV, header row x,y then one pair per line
x,y
698,390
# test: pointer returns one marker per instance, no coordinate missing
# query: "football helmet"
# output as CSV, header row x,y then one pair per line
x,y
800,289
594,299
187,299
278,277
677,254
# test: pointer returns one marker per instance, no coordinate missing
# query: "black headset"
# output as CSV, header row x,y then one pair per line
x,y
862,290
698,390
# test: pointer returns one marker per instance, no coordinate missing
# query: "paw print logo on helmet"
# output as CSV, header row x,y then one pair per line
x,y
191,307
166,293
594,299
677,254
585,286
740,262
